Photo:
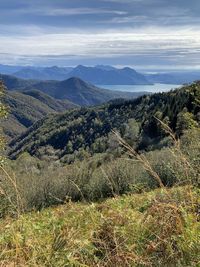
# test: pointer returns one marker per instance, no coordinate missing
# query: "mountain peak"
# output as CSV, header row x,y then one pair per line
x,y
75,80
80,67
128,69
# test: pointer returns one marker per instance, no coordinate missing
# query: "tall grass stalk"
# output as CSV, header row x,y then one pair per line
x,y
141,158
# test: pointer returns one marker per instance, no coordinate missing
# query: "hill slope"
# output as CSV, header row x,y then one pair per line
x,y
72,89
136,230
14,83
28,107
80,92
88,128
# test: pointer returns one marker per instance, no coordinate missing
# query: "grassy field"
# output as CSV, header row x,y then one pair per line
x,y
158,228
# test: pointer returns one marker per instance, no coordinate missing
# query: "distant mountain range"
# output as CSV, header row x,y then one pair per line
x,y
108,75
100,75
48,73
97,75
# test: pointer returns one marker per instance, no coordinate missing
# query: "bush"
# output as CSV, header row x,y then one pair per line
x,y
101,175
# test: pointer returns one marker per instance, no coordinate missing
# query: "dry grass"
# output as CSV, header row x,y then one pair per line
x,y
136,230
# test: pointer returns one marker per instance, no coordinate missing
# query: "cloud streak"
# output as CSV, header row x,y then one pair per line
x,y
112,31
66,11
155,42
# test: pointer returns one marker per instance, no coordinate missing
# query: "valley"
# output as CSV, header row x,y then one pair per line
x,y
31,100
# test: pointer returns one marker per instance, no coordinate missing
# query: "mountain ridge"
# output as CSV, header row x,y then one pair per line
x,y
63,73
100,74
112,76
80,92
73,89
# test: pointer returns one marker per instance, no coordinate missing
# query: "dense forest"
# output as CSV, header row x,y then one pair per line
x,y
27,107
90,129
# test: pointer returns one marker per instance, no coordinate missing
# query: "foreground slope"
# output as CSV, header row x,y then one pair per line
x,y
88,128
149,229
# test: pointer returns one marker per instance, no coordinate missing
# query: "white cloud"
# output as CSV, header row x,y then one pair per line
x,y
173,44
50,11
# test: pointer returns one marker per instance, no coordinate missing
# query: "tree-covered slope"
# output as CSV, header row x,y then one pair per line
x,y
28,107
14,83
89,128
80,92
55,104
72,89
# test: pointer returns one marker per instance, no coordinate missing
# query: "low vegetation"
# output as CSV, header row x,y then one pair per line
x,y
159,228
103,175
126,195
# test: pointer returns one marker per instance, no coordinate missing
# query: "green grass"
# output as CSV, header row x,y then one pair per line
x,y
159,228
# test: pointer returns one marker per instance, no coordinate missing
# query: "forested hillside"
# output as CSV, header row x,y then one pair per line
x,y
25,108
90,128
14,83
80,92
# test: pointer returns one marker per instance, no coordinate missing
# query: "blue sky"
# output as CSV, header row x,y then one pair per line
x,y
145,34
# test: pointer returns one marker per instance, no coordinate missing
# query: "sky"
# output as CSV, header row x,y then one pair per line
x,y
144,34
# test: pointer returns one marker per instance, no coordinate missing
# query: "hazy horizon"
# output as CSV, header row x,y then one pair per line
x,y
148,69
